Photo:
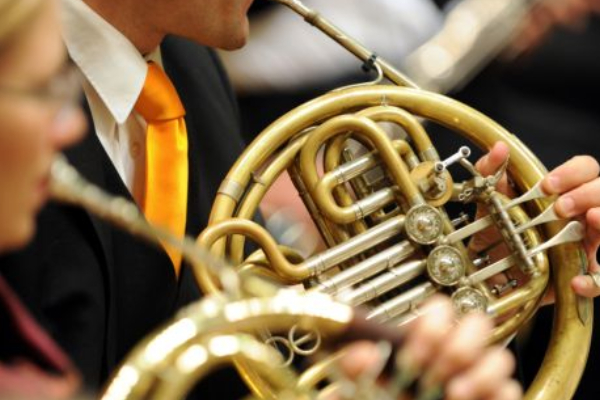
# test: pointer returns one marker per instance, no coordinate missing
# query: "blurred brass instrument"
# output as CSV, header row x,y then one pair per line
x,y
381,206
474,32
219,329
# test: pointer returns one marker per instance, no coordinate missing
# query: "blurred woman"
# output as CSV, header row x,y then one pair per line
x,y
38,116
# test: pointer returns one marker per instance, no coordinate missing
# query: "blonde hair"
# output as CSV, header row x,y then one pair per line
x,y
14,15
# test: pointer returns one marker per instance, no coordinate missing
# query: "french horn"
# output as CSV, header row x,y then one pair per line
x,y
381,206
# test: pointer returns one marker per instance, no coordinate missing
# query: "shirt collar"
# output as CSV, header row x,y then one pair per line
x,y
108,60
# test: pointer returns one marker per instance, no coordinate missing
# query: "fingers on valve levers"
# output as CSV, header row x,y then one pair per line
x,y
440,358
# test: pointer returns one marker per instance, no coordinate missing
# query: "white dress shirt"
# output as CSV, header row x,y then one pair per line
x,y
114,73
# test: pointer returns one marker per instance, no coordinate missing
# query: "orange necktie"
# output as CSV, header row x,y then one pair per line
x,y
165,198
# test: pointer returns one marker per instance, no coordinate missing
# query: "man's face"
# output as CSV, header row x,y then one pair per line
x,y
215,23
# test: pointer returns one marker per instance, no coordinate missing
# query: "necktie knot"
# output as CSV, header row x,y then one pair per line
x,y
158,100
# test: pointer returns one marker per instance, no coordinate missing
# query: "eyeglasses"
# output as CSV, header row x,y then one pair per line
x,y
62,90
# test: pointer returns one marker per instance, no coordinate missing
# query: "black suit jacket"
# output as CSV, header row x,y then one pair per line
x,y
99,290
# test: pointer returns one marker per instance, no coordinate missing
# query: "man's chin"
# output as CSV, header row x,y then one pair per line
x,y
233,41
234,46
237,39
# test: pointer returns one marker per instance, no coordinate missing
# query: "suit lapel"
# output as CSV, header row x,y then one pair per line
x,y
90,159
171,67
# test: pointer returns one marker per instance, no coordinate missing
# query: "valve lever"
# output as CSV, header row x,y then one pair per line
x,y
462,153
572,232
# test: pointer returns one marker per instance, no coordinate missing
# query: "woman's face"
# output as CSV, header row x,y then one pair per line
x,y
32,126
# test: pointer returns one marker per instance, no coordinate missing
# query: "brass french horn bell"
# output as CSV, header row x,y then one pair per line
x,y
381,211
